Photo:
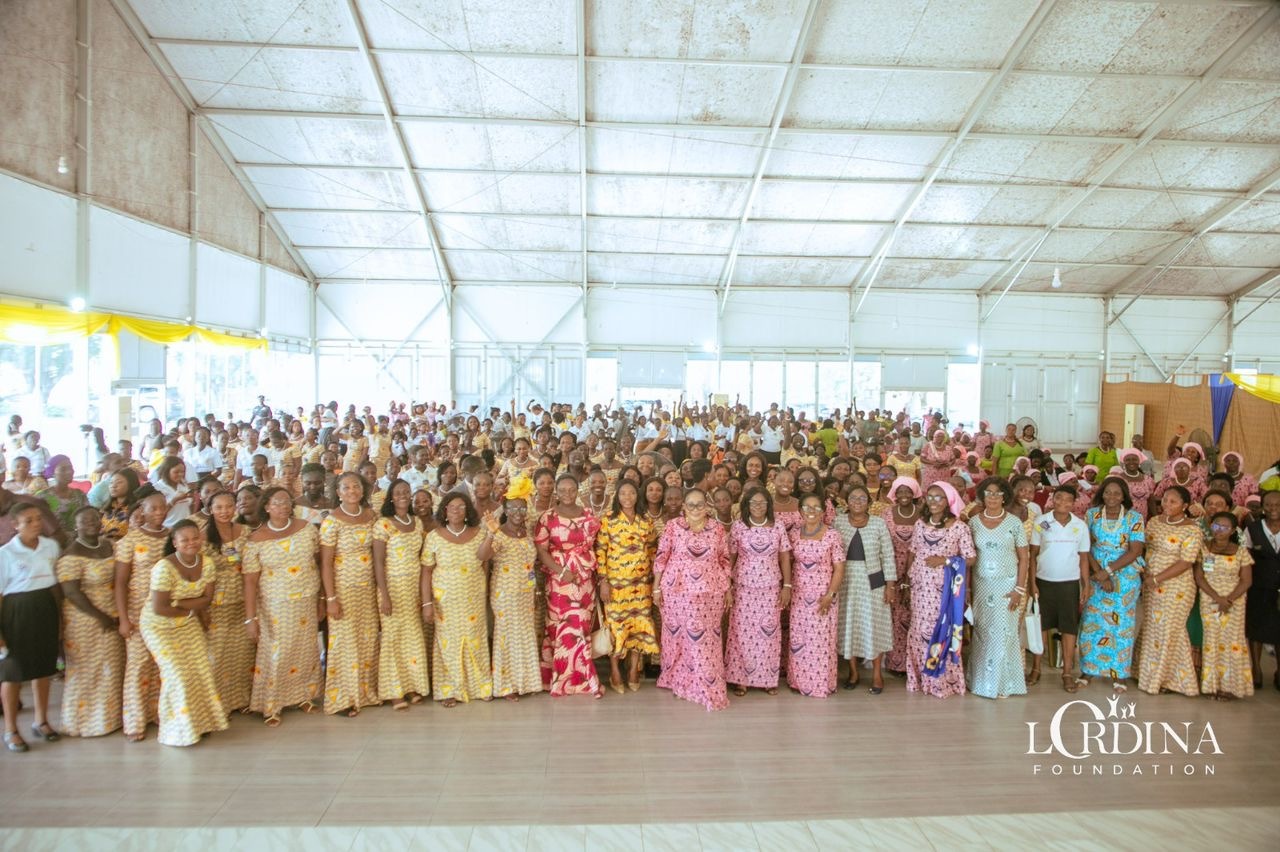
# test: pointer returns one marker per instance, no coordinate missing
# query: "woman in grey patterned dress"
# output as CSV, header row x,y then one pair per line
x,y
866,628
999,593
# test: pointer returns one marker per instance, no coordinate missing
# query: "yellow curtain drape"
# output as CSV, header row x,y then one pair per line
x,y
1264,387
58,325
48,325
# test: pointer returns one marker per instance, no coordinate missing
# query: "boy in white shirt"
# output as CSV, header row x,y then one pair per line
x,y
1060,572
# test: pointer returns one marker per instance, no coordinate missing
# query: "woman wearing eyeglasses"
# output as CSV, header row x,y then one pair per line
x,y
691,590
999,593
941,555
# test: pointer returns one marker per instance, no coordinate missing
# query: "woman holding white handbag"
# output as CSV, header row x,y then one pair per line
x,y
1060,580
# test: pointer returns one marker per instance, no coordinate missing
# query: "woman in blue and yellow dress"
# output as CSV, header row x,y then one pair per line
x,y
1116,563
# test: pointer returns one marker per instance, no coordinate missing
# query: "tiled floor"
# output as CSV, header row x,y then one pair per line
x,y
1186,829
786,772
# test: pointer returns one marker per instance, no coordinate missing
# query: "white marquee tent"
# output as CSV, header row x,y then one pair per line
x,y
805,199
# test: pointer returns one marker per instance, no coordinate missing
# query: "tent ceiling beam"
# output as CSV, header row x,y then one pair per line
x,y
402,150
702,129
762,160
161,62
1157,125
867,276
664,60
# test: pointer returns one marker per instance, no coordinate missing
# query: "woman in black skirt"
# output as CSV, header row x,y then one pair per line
x,y
29,603
1262,615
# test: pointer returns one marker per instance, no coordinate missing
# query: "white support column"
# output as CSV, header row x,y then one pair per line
x,y
193,220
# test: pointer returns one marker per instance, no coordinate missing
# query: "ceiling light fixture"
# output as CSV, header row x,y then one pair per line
x,y
63,166
1057,280
77,304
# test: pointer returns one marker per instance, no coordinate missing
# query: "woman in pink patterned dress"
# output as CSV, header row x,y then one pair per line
x,y
938,536
691,588
761,577
937,459
1140,484
1245,484
785,508
818,559
565,538
901,518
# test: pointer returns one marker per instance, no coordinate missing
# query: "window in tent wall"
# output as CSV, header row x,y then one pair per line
x,y
964,391
701,379
601,379
834,390
915,403
766,385
57,388
735,380
866,385
433,378
802,390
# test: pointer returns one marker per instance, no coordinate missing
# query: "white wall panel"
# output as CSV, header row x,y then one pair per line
x,y
288,304
643,368
37,241
916,322
569,379
1037,323
521,314
387,311
1060,395
801,319
914,372
136,267
1170,327
227,289
1256,338
671,317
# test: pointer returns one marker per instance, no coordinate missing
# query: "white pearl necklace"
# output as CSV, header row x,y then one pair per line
x,y
455,533
184,562
275,528
763,523
343,510
405,520
991,517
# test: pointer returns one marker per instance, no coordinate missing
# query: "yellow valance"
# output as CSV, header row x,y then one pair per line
x,y
51,324
1264,387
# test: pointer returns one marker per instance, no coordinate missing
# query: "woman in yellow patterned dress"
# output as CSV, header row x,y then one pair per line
x,y
93,648
136,553
173,626
397,567
346,569
512,591
1169,591
460,667
230,648
626,584
282,606
1224,576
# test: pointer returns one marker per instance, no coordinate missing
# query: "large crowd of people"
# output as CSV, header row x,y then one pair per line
x,y
329,561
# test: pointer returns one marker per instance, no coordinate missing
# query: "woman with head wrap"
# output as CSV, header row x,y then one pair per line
x,y
901,518
937,459
1245,484
1140,484
942,552
513,591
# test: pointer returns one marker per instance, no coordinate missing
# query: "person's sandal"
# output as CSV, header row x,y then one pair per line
x,y
46,732
1069,683
400,705
616,686
773,690
851,684
1033,677
308,707
13,741
739,690
272,721
449,702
